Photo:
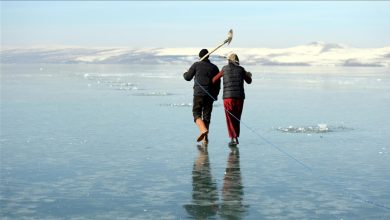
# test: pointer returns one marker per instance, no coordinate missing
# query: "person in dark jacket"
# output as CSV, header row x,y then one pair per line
x,y
233,94
205,92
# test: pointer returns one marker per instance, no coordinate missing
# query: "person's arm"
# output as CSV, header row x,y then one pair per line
x,y
216,85
218,76
248,77
190,73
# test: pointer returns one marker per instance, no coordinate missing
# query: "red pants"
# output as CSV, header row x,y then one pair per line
x,y
233,110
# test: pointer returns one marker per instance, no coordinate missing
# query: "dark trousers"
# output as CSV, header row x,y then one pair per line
x,y
202,108
233,111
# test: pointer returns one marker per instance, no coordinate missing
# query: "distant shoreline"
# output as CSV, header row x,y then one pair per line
x,y
313,54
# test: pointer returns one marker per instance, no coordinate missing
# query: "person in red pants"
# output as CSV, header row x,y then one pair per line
x,y
233,94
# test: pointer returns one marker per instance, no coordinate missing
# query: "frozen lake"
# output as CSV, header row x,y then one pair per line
x,y
118,142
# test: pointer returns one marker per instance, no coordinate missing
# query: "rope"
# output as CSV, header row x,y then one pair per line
x,y
349,194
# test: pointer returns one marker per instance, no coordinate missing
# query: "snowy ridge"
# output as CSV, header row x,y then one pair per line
x,y
313,54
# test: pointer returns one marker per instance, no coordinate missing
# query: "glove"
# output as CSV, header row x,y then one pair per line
x,y
249,74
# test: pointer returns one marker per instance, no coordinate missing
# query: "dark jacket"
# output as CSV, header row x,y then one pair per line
x,y
204,71
233,81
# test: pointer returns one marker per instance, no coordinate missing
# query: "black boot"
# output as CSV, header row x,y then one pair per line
x,y
206,137
233,142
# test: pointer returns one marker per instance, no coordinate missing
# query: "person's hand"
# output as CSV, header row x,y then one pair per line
x,y
249,74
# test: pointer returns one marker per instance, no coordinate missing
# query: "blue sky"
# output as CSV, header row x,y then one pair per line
x,y
194,23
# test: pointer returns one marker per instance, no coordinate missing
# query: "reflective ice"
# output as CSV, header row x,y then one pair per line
x,y
118,142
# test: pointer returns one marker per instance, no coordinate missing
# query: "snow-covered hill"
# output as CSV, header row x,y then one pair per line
x,y
313,54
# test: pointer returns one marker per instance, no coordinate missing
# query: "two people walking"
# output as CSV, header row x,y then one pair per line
x,y
207,84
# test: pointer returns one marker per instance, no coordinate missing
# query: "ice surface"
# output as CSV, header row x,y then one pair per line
x,y
76,146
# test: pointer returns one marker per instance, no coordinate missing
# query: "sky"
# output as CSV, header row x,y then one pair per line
x,y
140,24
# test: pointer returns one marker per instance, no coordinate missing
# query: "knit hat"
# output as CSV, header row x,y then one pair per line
x,y
233,58
203,52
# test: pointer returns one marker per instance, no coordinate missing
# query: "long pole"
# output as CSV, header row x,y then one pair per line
x,y
228,40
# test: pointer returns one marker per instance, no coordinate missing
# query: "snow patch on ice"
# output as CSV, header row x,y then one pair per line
x,y
319,128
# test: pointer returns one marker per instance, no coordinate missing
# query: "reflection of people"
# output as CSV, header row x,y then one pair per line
x,y
204,188
233,94
203,71
232,192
